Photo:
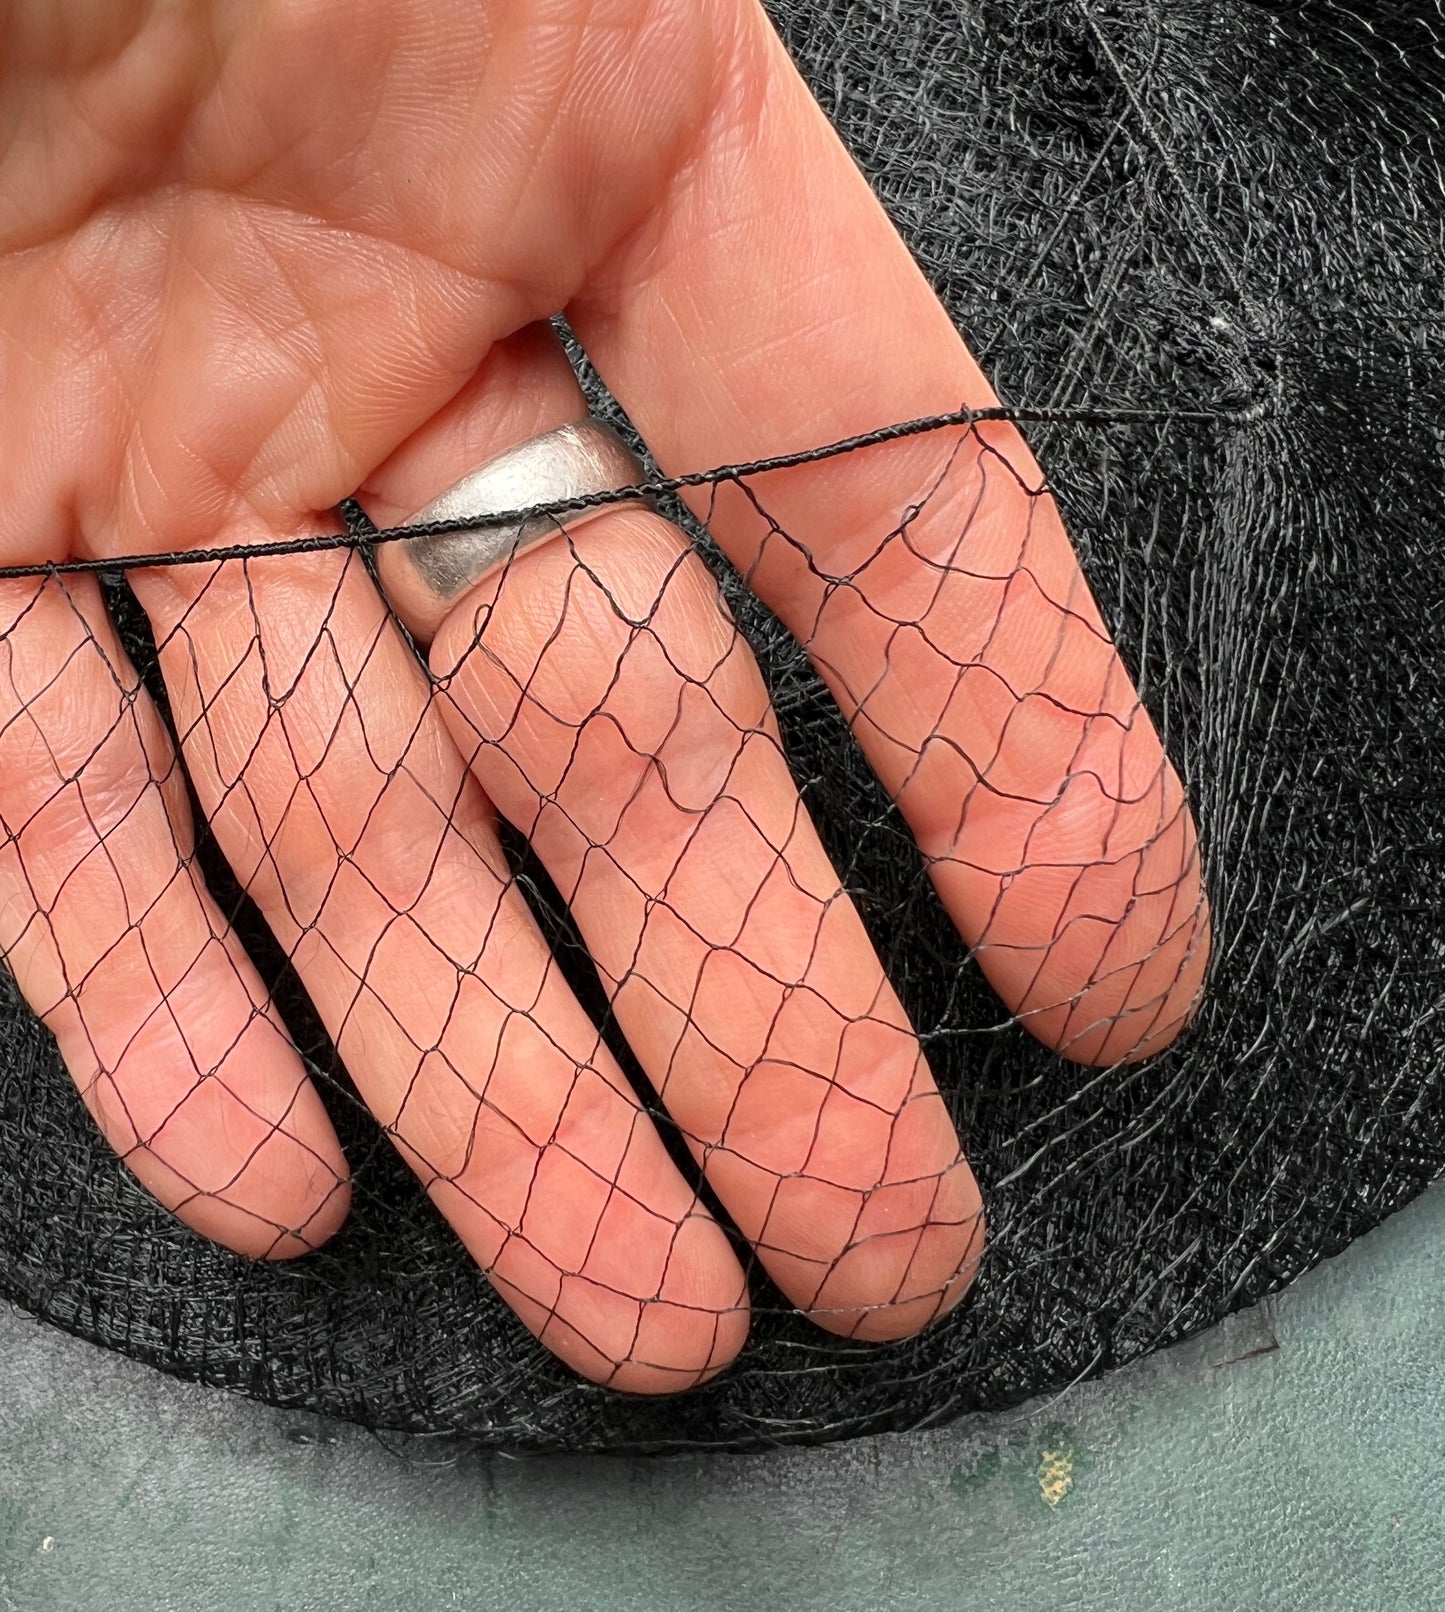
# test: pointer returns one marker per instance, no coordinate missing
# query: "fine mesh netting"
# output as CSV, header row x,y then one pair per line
x,y
1197,249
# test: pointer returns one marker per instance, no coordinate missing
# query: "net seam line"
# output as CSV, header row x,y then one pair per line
x,y
1246,414
1202,223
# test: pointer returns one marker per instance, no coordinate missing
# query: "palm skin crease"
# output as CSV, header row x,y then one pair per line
x,y
258,258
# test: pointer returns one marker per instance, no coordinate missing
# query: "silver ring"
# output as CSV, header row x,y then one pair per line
x,y
425,576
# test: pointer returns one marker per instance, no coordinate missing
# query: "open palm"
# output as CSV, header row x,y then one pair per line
x,y
256,258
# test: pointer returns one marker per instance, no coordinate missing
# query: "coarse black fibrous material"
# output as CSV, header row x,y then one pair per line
x,y
1222,209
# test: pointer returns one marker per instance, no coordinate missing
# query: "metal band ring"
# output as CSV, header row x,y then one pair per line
x,y
424,576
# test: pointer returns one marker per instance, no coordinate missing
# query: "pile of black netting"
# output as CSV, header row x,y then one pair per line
x,y
1228,216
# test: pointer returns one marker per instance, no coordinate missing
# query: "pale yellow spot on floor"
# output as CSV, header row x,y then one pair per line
x,y
1056,1475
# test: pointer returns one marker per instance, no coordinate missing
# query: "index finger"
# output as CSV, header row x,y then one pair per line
x,y
771,307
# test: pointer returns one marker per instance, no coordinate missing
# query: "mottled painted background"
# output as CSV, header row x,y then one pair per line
x,y
1292,1458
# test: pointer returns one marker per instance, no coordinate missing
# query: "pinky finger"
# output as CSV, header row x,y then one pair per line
x,y
115,943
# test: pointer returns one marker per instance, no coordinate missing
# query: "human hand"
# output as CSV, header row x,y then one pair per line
x,y
255,258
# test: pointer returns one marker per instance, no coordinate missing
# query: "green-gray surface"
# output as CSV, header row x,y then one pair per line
x,y
1292,1458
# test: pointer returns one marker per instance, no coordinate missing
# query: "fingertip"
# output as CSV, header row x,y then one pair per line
x,y
1137,1012
245,1155
316,1214
696,1326
692,1329
707,1289
290,1197
889,1284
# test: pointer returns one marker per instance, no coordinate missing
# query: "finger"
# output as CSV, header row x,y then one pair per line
x,y
616,715
341,803
114,941
613,711
771,308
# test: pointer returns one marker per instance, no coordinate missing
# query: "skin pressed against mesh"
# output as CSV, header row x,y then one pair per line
x,y
597,695
607,1023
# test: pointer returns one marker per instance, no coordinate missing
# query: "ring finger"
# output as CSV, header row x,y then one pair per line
x,y
611,709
